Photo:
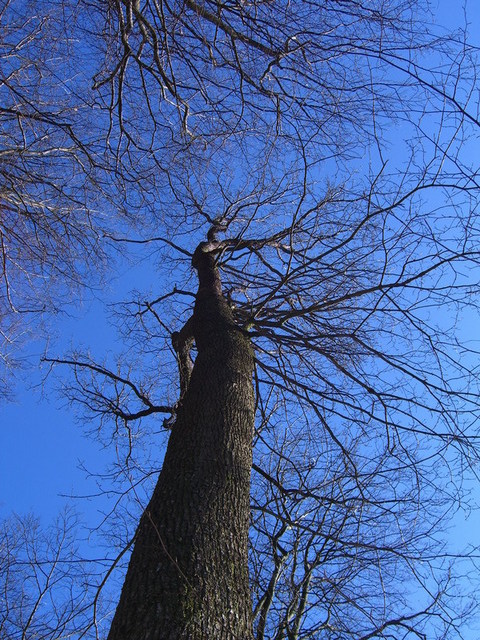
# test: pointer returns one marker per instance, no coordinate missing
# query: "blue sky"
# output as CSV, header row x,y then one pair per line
x,y
43,445
44,453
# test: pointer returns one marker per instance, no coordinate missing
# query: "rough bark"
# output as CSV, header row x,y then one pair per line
x,y
188,574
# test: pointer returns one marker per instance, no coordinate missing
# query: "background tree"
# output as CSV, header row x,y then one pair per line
x,y
51,223
315,156
46,586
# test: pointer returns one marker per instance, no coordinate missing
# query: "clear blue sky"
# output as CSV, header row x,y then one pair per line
x,y
42,444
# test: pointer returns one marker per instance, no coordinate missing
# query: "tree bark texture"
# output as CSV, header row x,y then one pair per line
x,y
188,574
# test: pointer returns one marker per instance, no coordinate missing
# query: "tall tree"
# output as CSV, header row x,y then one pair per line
x,y
308,159
188,575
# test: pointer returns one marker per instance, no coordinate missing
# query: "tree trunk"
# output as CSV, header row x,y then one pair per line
x,y
188,574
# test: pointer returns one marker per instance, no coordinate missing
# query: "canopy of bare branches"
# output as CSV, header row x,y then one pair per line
x,y
321,151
